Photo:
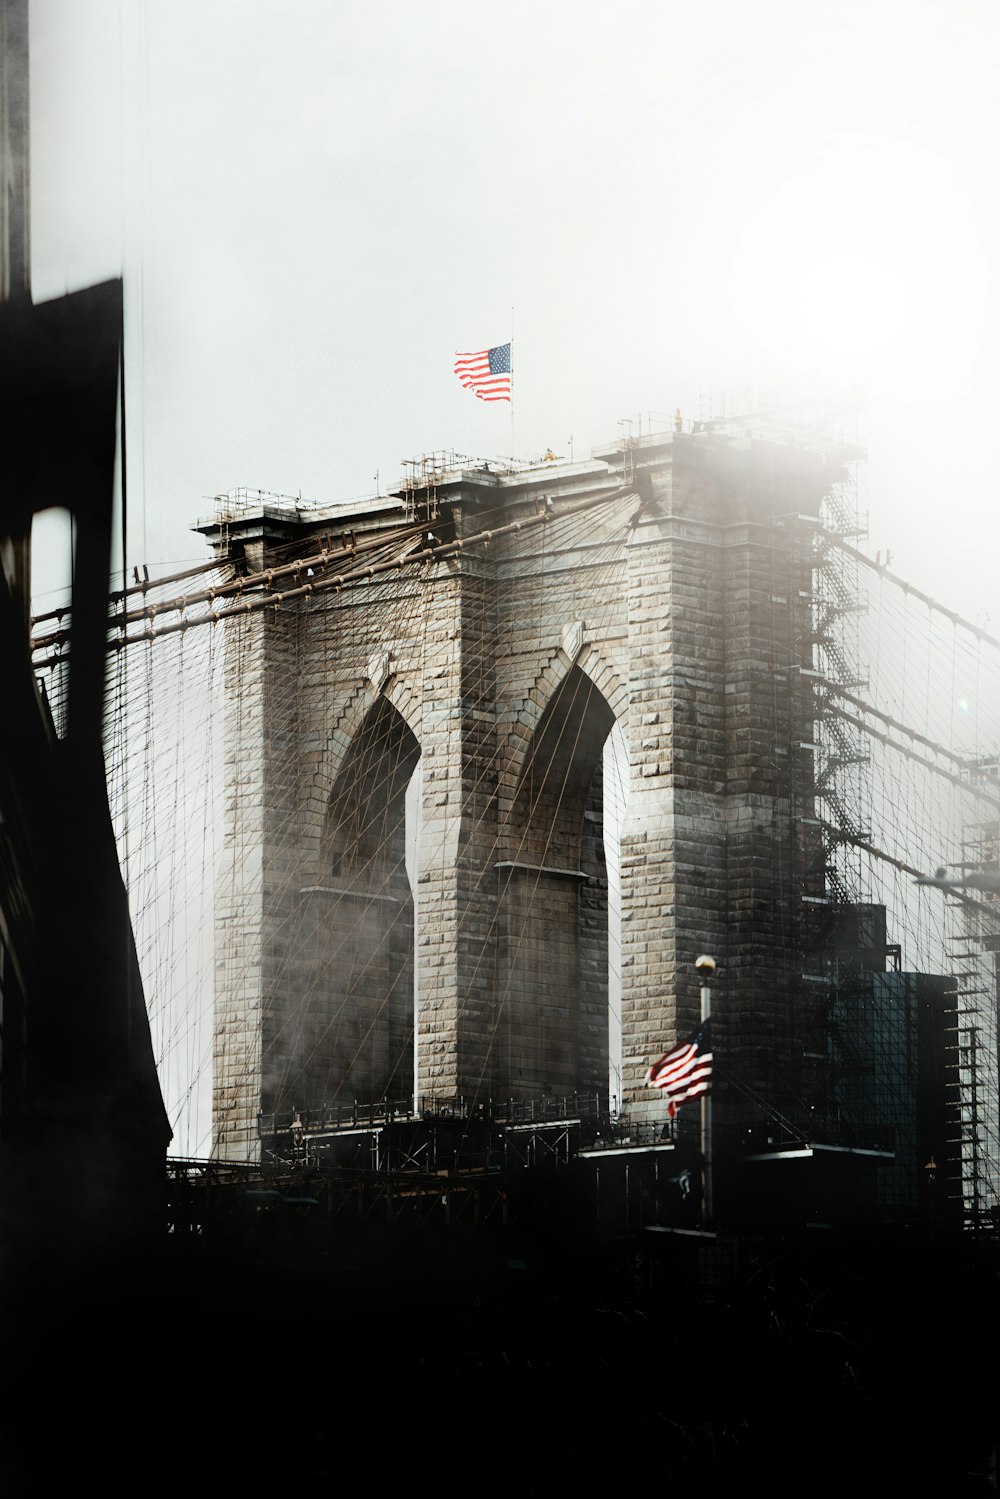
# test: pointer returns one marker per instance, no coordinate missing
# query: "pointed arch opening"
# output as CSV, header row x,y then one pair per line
x,y
353,1040
553,1033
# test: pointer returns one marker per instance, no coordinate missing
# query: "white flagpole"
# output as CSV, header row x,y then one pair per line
x,y
706,967
512,448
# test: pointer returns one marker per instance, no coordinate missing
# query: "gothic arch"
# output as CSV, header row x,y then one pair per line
x,y
553,902
351,1034
573,651
382,682
364,826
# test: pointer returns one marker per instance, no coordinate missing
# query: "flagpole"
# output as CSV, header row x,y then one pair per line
x,y
513,450
706,967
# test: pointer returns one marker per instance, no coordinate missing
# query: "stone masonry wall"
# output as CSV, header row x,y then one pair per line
x,y
673,602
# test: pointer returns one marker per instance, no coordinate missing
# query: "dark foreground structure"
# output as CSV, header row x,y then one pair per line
x,y
285,1344
83,1132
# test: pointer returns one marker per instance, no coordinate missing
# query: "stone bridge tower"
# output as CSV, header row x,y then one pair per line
x,y
415,899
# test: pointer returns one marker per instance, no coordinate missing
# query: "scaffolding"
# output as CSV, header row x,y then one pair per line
x,y
975,1054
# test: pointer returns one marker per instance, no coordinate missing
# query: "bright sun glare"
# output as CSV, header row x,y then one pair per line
x,y
865,266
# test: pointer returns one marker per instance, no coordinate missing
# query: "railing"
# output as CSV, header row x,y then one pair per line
x,y
620,1135
832,1131
589,1107
241,501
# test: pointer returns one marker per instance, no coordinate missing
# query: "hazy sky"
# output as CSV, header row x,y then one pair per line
x,y
315,204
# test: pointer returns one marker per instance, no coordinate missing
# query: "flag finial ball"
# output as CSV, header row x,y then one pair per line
x,y
705,964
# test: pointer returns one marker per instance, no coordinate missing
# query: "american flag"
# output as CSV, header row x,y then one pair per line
x,y
684,1072
486,373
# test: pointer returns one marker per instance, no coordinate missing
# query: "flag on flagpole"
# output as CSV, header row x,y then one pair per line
x,y
486,373
684,1072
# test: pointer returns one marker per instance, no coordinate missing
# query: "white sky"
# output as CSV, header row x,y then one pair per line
x,y
315,204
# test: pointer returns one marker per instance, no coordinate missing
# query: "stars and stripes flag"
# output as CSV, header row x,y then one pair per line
x,y
486,373
684,1072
